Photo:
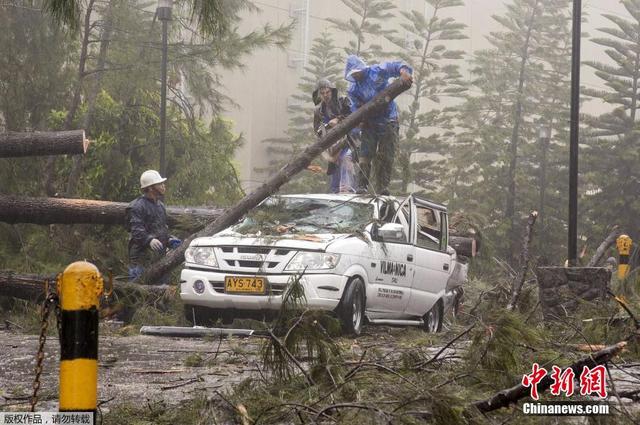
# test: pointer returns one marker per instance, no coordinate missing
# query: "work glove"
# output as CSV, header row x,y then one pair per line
x,y
156,245
174,243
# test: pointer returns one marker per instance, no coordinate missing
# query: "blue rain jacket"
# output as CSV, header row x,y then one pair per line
x,y
375,80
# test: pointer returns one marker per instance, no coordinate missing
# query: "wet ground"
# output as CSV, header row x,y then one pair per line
x,y
133,368
140,369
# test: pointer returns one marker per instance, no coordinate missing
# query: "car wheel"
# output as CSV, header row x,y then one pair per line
x,y
200,316
432,320
352,308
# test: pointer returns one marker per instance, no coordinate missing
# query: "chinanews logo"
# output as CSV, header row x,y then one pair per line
x,y
591,383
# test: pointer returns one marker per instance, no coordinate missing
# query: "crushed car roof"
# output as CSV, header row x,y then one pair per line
x,y
365,198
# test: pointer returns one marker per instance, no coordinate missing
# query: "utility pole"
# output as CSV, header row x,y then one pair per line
x,y
164,14
574,138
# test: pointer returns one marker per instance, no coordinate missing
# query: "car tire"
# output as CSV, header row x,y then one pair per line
x,y
203,316
432,320
352,308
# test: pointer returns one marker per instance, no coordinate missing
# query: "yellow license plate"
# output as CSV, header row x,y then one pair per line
x,y
244,285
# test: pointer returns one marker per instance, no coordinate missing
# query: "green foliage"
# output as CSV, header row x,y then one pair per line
x,y
500,167
489,344
121,119
612,144
367,22
297,330
423,148
36,58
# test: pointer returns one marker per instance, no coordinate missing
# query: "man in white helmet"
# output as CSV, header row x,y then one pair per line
x,y
147,222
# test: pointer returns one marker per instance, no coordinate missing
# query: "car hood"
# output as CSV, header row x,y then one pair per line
x,y
307,241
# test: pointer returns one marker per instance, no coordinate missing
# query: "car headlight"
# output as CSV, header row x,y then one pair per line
x,y
203,255
312,261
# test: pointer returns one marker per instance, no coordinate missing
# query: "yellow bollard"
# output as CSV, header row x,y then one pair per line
x,y
623,243
79,287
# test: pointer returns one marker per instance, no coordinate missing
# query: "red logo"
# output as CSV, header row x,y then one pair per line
x,y
562,382
591,381
532,380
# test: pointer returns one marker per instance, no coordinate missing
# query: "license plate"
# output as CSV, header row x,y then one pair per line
x,y
244,285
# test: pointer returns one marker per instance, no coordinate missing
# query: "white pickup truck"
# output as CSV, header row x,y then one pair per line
x,y
383,259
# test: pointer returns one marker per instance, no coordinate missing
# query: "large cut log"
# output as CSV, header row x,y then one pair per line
x,y
14,209
298,163
465,246
71,142
31,287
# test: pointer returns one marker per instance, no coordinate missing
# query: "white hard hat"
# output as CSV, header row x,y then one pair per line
x,y
149,178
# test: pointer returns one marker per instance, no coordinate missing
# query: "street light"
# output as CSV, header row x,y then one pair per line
x,y
164,14
574,134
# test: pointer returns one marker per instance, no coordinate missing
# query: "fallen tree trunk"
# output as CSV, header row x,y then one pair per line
x,y
31,287
14,209
604,246
297,164
14,145
466,246
506,397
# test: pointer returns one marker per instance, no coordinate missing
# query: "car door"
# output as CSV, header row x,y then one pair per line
x,y
393,271
432,262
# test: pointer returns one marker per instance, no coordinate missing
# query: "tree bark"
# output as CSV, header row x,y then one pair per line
x,y
609,240
13,145
31,287
14,209
505,397
297,164
524,262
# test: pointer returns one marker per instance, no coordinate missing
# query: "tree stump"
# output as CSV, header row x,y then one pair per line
x,y
561,289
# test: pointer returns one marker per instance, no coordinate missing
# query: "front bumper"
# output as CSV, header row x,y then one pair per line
x,y
322,291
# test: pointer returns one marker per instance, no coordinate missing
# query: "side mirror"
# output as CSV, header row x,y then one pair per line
x,y
392,232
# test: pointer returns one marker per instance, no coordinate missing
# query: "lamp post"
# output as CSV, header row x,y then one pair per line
x,y
572,244
164,14
544,135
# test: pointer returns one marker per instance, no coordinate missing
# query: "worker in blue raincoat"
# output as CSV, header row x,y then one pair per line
x,y
379,132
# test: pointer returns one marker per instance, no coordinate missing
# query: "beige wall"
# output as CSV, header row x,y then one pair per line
x,y
263,88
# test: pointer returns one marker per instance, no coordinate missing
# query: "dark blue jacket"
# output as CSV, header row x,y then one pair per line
x,y
147,220
375,80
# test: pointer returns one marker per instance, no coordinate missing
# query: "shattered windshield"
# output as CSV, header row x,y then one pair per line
x,y
281,215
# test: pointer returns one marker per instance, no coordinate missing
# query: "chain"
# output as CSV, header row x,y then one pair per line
x,y
52,298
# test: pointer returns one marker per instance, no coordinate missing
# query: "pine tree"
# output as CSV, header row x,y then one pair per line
x,y
612,145
493,157
435,75
325,61
366,25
